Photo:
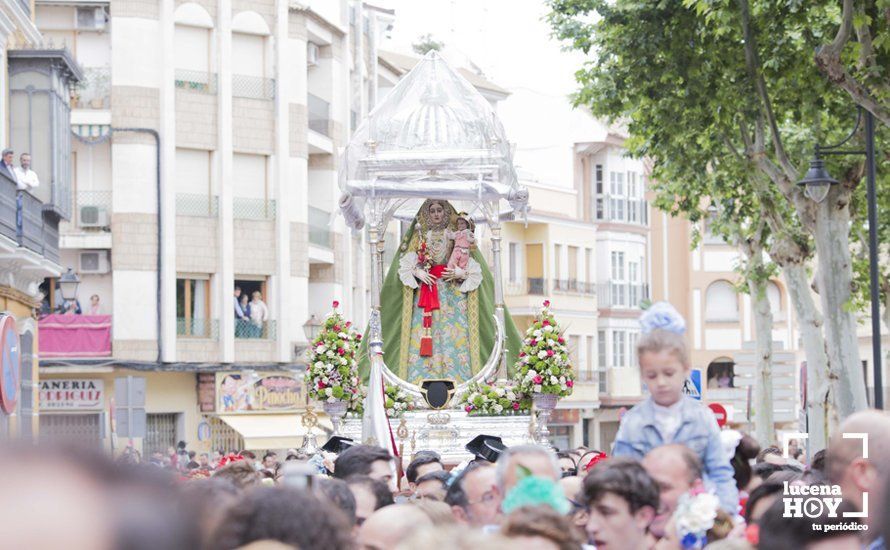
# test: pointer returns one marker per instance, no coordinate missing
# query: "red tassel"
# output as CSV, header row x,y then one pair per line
x,y
426,346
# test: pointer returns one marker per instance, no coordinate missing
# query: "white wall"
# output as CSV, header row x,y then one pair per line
x,y
249,176
193,171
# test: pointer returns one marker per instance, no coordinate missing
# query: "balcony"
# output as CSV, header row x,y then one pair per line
x,y
319,227
202,206
196,81
253,87
621,210
27,221
197,328
245,329
75,336
537,286
94,91
319,115
622,295
253,209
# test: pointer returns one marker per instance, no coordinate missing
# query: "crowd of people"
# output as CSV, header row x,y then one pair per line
x,y
672,481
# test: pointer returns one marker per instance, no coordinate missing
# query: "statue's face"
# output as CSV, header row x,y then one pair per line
x,y
437,213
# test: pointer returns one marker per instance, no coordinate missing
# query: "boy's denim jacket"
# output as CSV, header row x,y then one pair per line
x,y
698,430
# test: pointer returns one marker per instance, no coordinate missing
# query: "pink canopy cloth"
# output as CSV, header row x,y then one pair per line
x,y
75,335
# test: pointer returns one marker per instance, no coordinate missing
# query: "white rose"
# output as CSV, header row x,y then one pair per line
x,y
498,408
551,343
342,336
526,359
531,373
554,380
548,328
321,349
562,379
319,365
511,396
542,354
330,353
499,392
342,360
329,392
537,388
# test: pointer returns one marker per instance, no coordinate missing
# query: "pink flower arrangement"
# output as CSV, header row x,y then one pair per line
x,y
544,366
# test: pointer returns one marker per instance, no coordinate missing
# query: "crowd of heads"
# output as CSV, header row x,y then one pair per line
x,y
531,497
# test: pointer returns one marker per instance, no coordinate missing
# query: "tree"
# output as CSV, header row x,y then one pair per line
x,y
426,43
712,78
860,67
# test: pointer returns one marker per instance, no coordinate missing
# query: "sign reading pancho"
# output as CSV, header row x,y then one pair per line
x,y
246,392
72,394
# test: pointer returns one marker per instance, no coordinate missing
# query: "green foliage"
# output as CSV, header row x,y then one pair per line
x,y
332,373
498,398
426,43
543,366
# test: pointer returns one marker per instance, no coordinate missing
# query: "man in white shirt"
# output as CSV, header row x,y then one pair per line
x,y
28,180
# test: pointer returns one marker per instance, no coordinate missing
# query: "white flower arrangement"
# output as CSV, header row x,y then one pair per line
x,y
695,515
544,366
496,398
332,374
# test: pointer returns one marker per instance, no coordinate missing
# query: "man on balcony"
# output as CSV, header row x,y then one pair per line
x,y
27,178
6,164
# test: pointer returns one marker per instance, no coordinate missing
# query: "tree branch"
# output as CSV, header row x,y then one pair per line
x,y
752,61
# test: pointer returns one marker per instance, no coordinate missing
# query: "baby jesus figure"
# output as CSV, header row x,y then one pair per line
x,y
463,240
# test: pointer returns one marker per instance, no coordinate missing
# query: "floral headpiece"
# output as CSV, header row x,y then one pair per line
x,y
229,458
662,316
598,457
695,515
534,491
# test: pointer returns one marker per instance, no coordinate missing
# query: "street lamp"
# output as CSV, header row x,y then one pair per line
x,y
312,327
817,183
68,285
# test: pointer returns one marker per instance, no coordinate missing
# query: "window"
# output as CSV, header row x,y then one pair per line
x,y
193,307
634,289
160,433
721,302
256,322
619,348
575,351
600,200
513,262
633,205
633,338
557,259
617,199
588,265
572,275
617,284
774,295
601,349
589,351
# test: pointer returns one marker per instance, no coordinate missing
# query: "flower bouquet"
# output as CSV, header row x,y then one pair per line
x,y
543,366
397,401
332,372
498,398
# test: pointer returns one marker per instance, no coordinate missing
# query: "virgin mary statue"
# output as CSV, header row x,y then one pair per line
x,y
438,321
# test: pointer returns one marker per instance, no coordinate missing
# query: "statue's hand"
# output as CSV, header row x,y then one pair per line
x,y
455,274
424,276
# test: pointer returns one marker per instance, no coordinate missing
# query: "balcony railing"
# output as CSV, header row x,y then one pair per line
x,y
93,208
253,87
197,328
26,220
319,227
253,209
617,295
196,81
94,91
205,206
247,329
74,335
319,115
537,286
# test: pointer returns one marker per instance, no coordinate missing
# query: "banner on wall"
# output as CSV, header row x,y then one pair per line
x,y
72,394
250,392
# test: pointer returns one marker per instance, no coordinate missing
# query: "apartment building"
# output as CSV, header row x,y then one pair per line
x,y
34,104
204,160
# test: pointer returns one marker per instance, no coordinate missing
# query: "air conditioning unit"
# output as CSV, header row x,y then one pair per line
x,y
91,19
94,261
93,216
311,54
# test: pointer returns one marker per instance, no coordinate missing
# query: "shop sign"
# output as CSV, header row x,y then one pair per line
x,y
248,392
72,394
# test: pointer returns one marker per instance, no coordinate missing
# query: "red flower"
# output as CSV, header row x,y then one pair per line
x,y
468,408
538,379
516,406
521,354
561,340
533,343
336,304
569,383
752,533
358,336
320,385
341,351
336,328
348,324
546,323
549,353
546,303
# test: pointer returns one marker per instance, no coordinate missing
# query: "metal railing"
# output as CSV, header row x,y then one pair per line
x,y
196,81
253,209
319,115
22,220
247,329
253,87
627,295
93,208
319,227
204,206
197,328
537,286
94,91
603,380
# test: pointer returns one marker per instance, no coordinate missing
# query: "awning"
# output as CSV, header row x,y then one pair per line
x,y
273,431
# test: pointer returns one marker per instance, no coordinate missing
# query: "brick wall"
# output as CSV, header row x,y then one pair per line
x,y
253,125
197,244
134,241
134,107
254,247
299,250
299,125
196,120
148,9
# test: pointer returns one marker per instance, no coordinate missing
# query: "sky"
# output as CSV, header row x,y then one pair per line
x,y
511,43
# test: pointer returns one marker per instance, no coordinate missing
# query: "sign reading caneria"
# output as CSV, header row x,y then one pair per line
x,y
72,394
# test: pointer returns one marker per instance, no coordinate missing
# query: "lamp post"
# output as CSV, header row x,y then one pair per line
x,y
311,328
68,284
817,183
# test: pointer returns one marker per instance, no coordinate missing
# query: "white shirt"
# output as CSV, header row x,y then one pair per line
x,y
27,179
668,420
